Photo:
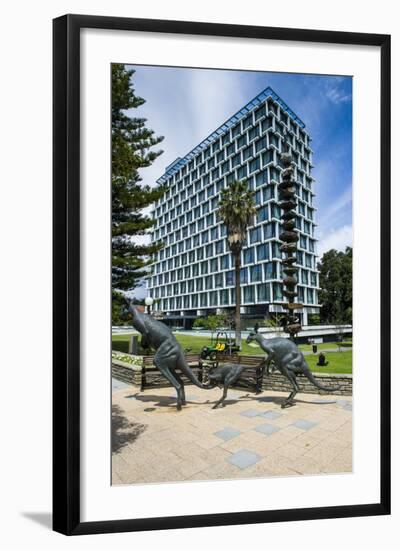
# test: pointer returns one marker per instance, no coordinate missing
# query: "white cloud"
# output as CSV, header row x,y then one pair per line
x,y
337,239
335,209
338,96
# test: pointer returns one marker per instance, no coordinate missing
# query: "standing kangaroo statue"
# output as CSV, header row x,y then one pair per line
x,y
288,360
169,355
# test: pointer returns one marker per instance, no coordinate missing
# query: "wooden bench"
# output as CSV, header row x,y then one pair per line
x,y
152,377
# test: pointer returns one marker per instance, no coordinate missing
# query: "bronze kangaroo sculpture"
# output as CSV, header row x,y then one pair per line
x,y
288,359
169,355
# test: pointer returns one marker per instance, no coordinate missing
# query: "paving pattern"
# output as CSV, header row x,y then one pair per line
x,y
250,437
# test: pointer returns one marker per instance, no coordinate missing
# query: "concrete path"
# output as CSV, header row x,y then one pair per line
x,y
250,437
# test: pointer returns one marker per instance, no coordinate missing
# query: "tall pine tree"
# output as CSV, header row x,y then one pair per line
x,y
131,144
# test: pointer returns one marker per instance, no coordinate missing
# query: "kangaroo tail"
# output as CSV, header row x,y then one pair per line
x,y
320,386
192,377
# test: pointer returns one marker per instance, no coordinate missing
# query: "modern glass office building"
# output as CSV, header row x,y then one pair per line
x,y
193,273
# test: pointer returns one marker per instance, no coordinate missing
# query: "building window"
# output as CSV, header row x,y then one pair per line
x,y
259,112
224,297
230,149
213,265
218,281
277,292
266,124
254,165
236,131
255,273
254,132
276,250
243,276
248,121
269,230
204,237
213,298
263,252
199,284
263,292
267,157
261,144
247,153
208,282
262,214
270,270
255,235
204,267
225,167
225,139
236,160
215,174
219,247
209,250
242,172
248,294
194,300
230,178
310,296
225,261
248,255
214,233
203,299
262,177
229,278
241,142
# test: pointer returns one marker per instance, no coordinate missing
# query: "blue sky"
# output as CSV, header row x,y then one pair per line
x,y
186,105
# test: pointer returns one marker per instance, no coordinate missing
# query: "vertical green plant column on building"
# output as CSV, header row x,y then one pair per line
x,y
237,210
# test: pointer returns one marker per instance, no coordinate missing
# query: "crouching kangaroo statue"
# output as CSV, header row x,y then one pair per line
x,y
224,376
288,360
169,355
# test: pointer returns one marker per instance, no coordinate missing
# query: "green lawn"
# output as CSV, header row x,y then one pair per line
x,y
339,362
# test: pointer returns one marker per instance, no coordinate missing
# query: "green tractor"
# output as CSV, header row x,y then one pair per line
x,y
223,345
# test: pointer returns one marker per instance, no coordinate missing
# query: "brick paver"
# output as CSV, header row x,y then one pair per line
x,y
250,437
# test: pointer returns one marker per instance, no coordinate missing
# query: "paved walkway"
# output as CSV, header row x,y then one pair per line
x,y
250,437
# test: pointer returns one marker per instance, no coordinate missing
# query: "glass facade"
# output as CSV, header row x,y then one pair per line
x,y
195,251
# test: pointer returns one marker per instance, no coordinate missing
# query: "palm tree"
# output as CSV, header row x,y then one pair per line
x,y
237,209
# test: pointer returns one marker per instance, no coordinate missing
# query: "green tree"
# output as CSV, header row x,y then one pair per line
x,y
211,323
131,144
237,209
335,280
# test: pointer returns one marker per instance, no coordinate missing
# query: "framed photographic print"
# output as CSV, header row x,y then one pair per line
x,y
221,274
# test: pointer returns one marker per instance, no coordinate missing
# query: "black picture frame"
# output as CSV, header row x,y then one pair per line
x,y
66,272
